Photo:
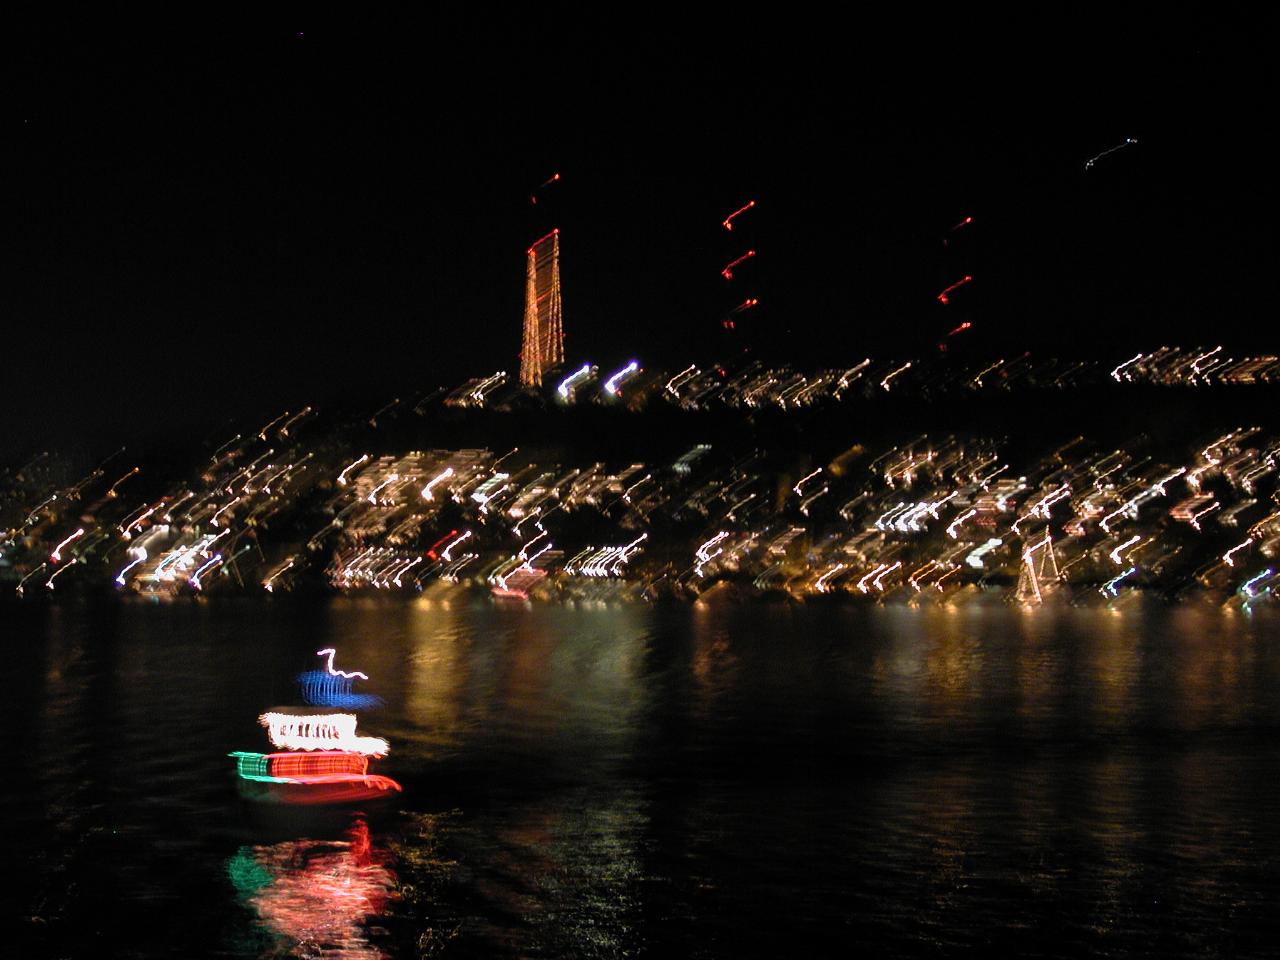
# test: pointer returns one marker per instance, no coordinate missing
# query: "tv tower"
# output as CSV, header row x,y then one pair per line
x,y
543,345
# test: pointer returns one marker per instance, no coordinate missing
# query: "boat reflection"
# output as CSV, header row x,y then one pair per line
x,y
317,895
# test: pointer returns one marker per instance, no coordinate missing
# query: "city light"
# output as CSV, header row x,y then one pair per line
x,y
612,386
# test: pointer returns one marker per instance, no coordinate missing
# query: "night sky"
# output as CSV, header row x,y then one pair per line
x,y
205,227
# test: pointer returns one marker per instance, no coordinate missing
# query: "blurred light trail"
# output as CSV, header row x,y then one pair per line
x,y
444,474
33,515
1195,364
977,381
567,383
1115,374
974,559
1195,519
268,584
884,384
342,477
147,511
1115,554
486,491
524,551
1247,587
338,673
626,495
953,528
803,480
141,557
56,556
821,584
57,573
703,556
943,297
445,554
1227,557
611,385
284,431
431,551
679,378
1128,142
214,519
728,221
373,420
554,178
850,375
1110,587
884,573
111,492
216,453
1045,503
19,589
933,507
195,577
329,731
373,494
862,584
528,563
262,434
412,563
727,272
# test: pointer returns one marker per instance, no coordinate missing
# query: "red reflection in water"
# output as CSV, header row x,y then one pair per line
x,y
319,893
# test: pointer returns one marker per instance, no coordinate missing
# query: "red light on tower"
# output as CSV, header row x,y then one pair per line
x,y
727,272
943,297
728,221
533,197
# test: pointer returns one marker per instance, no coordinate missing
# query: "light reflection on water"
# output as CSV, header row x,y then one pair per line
x,y
709,780
315,896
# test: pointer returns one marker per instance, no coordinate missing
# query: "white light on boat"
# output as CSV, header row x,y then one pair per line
x,y
326,731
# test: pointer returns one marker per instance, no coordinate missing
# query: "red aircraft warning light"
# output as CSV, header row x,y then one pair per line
x,y
728,221
943,297
727,272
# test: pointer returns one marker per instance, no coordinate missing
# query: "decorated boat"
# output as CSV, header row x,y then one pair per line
x,y
320,760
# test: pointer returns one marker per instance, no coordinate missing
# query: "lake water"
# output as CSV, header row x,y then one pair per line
x,y
610,780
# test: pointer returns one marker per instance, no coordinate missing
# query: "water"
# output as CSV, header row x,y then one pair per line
x,y
672,780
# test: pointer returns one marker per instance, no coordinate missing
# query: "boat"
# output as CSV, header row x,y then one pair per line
x,y
320,760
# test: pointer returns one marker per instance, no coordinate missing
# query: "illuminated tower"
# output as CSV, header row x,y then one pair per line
x,y
1039,571
543,346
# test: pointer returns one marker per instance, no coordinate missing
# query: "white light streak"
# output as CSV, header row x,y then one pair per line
x,y
1115,554
327,731
56,556
338,673
611,385
342,477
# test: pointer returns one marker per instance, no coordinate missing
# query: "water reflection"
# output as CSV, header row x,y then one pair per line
x,y
436,671
713,779
316,896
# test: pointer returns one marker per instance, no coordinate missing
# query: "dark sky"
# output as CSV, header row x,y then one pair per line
x,y
205,226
